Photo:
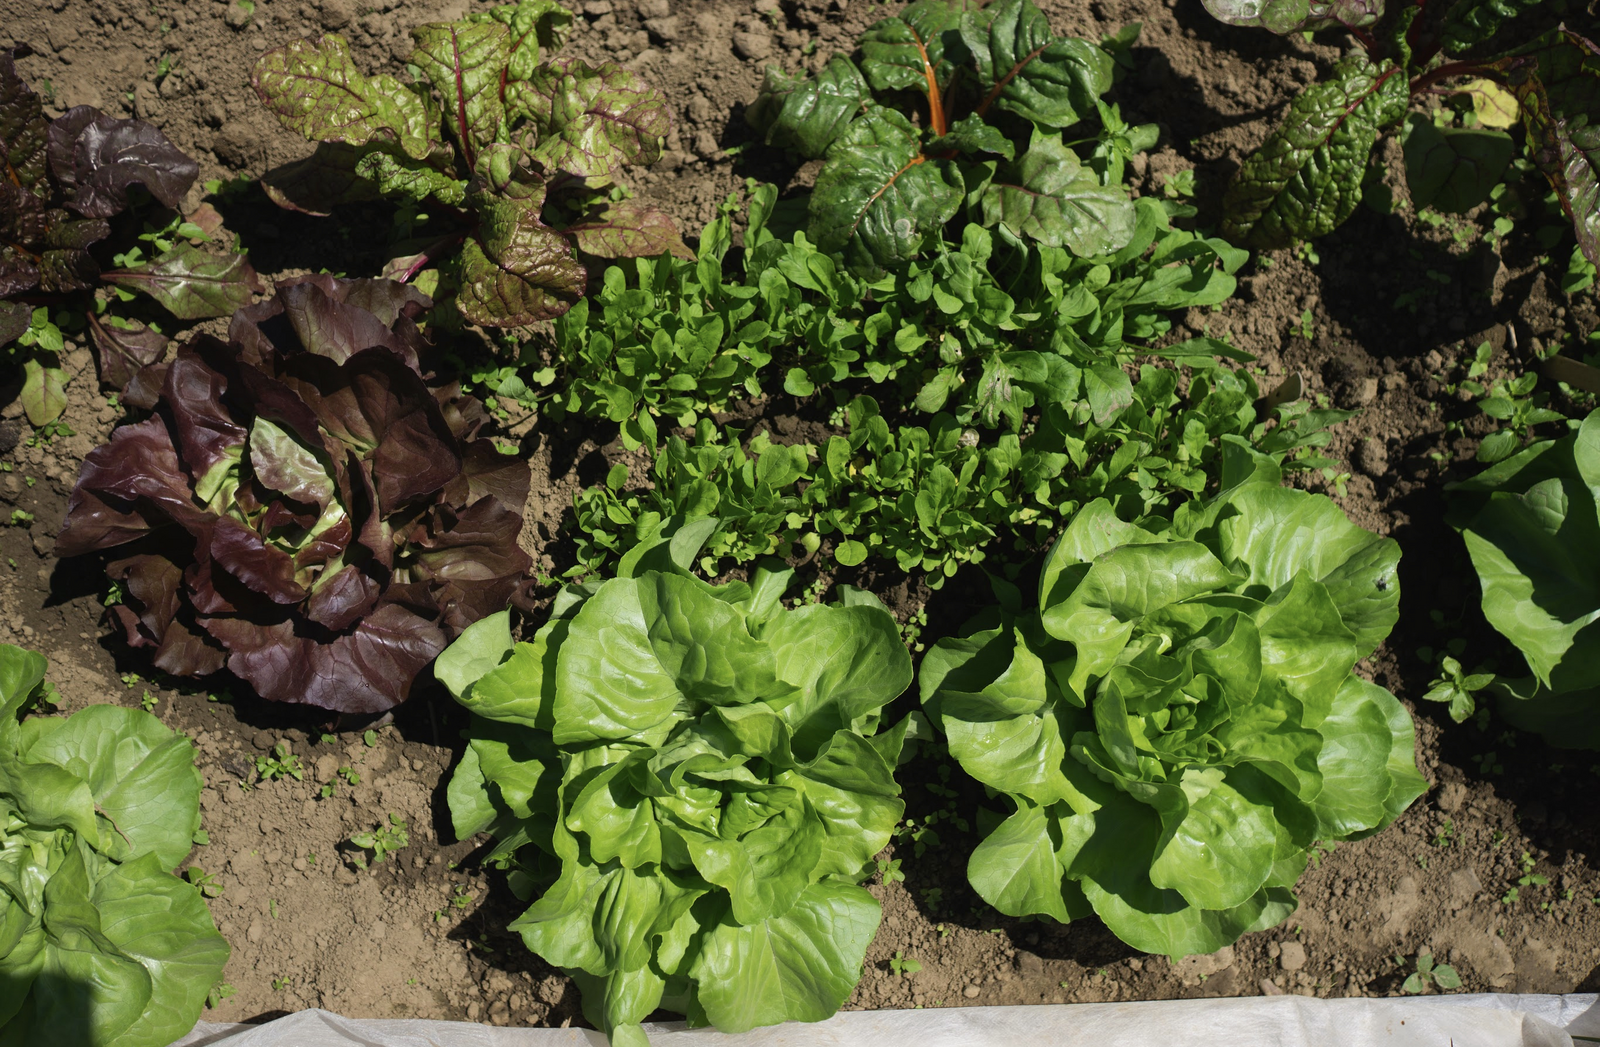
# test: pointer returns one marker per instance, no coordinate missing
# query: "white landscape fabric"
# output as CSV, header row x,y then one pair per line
x,y
1488,1020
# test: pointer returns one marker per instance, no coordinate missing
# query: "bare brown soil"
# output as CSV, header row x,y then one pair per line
x,y
421,934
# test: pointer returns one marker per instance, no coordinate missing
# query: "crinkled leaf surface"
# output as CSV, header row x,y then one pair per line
x,y
1296,16
806,113
96,159
1306,178
465,63
516,270
1060,203
314,88
878,198
1561,109
24,131
594,120
628,229
1023,68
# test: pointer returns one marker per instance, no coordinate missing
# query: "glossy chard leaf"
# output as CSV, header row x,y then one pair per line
x,y
314,88
1305,180
723,787
465,65
317,515
907,52
1060,203
806,114
534,25
1178,721
192,284
878,198
1023,68
24,131
1296,16
516,270
593,120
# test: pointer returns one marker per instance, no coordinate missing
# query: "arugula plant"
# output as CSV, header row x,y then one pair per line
x,y
99,941
1177,723
304,506
65,178
1530,524
519,149
1306,179
887,186
705,777
934,498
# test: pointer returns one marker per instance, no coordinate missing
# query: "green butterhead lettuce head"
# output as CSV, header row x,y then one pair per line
x,y
99,943
1532,526
1178,722
702,775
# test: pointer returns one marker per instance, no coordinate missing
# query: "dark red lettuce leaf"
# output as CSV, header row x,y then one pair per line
x,y
336,550
96,159
125,352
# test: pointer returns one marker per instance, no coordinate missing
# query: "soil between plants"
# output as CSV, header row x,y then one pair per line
x,y
421,934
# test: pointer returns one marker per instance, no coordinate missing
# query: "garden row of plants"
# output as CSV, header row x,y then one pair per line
x,y
688,780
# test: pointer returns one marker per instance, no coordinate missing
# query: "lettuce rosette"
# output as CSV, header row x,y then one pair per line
x,y
693,780
99,942
304,506
1177,723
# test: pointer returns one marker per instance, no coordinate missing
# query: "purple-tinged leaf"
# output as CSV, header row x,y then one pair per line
x,y
15,318
474,556
314,89
43,395
207,436
65,264
629,229
1296,16
486,473
321,182
246,556
465,62
96,159
127,488
1560,97
124,351
337,318
153,615
593,120
338,600
1055,200
192,284
23,129
534,24
517,270
367,670
144,388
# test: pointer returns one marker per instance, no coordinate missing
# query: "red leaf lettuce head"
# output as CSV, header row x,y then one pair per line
x,y
302,506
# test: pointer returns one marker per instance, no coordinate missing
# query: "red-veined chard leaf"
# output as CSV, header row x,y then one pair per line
x,y
515,269
400,176
193,284
534,24
628,229
1306,178
465,63
593,120
878,197
314,88
807,114
1295,16
95,159
1560,97
1025,69
1060,203
24,131
322,181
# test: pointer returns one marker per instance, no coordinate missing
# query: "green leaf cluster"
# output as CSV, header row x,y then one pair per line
x,y
703,775
931,498
1177,722
520,147
1532,527
1307,178
887,186
99,942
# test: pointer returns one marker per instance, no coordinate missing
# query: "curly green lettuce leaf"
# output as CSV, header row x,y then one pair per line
x,y
314,88
1305,180
878,197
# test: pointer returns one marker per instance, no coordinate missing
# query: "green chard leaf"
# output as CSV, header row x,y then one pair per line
x,y
515,270
1453,169
1023,68
1306,178
628,229
192,284
807,114
878,198
1296,16
1058,202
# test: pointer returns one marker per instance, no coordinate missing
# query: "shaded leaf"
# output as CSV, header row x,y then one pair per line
x,y
123,351
1455,168
23,129
192,284
629,229
15,318
1560,99
321,182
